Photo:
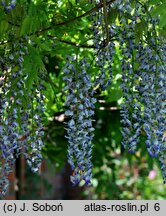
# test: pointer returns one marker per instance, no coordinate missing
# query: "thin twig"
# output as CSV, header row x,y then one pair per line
x,y
97,7
73,43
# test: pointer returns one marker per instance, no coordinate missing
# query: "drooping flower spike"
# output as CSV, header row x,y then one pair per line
x,y
80,104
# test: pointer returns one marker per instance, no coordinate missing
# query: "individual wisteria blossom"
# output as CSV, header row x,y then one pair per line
x,y
8,6
80,110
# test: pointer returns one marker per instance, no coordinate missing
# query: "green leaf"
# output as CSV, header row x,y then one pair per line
x,y
70,4
46,46
33,65
153,2
112,15
139,29
162,20
3,26
159,10
25,28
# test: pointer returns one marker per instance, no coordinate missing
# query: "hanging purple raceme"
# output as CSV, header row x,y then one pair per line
x,y
131,107
36,131
161,131
156,142
152,89
143,79
9,117
80,104
105,48
143,82
153,98
21,127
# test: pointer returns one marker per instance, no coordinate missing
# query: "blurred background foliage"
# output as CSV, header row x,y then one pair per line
x,y
56,30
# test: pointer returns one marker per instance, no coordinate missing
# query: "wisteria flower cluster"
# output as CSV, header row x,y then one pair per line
x,y
143,82
80,104
21,128
105,48
131,108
